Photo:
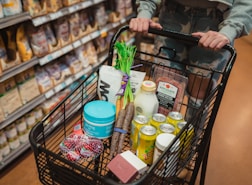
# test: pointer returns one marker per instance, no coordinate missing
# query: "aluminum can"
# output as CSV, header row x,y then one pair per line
x,y
146,143
166,128
174,118
157,119
136,124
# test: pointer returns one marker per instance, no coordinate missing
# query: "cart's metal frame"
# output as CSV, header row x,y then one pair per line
x,y
54,168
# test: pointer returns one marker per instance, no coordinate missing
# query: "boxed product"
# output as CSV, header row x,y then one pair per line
x,y
9,97
27,85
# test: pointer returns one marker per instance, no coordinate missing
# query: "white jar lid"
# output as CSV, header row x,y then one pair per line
x,y
163,140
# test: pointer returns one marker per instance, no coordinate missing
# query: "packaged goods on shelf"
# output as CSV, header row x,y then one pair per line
x,y
38,40
43,79
11,7
64,68
120,7
30,119
23,136
27,85
69,2
21,125
128,7
73,62
74,26
101,44
90,53
1,11
9,99
35,7
100,15
2,117
54,72
53,43
86,24
13,58
3,53
53,5
62,30
38,113
23,44
5,149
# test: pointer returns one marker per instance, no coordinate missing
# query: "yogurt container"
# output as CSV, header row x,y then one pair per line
x,y
99,118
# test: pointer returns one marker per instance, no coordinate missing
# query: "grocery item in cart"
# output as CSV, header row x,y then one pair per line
x,y
146,102
99,118
146,143
171,88
136,124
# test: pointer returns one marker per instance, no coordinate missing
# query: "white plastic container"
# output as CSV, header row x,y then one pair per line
x,y
146,102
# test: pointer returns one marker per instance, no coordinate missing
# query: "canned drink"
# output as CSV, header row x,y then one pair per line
x,y
146,143
174,118
166,128
136,124
157,119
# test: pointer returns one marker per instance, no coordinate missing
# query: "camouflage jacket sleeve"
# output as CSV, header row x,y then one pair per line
x,y
146,9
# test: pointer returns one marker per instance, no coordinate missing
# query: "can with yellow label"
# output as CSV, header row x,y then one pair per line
x,y
146,143
157,119
166,128
136,124
174,118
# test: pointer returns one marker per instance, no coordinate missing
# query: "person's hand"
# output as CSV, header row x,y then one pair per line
x,y
143,24
212,39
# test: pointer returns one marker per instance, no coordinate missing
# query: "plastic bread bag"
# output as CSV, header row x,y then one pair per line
x,y
11,7
53,43
23,44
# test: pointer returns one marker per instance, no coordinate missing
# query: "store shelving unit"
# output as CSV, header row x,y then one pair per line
x,y
13,20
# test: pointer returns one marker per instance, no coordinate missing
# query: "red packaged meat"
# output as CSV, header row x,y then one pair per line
x,y
171,88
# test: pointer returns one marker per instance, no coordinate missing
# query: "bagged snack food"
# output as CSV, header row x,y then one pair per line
x,y
74,26
38,40
53,5
54,72
69,2
62,30
11,7
53,43
73,62
100,14
81,54
3,54
23,44
35,7
171,88
43,79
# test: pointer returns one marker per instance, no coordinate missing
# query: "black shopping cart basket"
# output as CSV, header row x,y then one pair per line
x,y
179,166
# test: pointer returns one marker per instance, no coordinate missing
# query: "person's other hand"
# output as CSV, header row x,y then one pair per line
x,y
143,24
211,39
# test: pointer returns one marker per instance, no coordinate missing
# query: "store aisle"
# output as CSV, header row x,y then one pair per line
x,y
229,160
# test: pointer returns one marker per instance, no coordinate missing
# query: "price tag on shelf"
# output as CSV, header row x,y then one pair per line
x,y
86,3
56,54
85,39
55,15
69,81
94,34
59,87
66,49
39,20
115,24
49,94
76,44
104,32
78,75
97,1
74,8
44,60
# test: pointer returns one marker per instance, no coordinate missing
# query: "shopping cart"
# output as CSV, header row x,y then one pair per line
x,y
191,155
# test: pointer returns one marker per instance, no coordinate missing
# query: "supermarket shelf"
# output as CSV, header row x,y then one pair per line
x,y
14,19
23,110
14,154
64,11
18,69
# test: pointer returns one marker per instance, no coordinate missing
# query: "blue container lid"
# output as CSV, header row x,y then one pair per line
x,y
99,111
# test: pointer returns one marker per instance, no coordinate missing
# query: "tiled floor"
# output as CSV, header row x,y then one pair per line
x,y
230,161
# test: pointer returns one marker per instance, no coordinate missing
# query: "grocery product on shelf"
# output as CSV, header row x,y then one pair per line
x,y
23,44
35,7
43,79
62,30
11,7
53,43
74,26
27,85
53,5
